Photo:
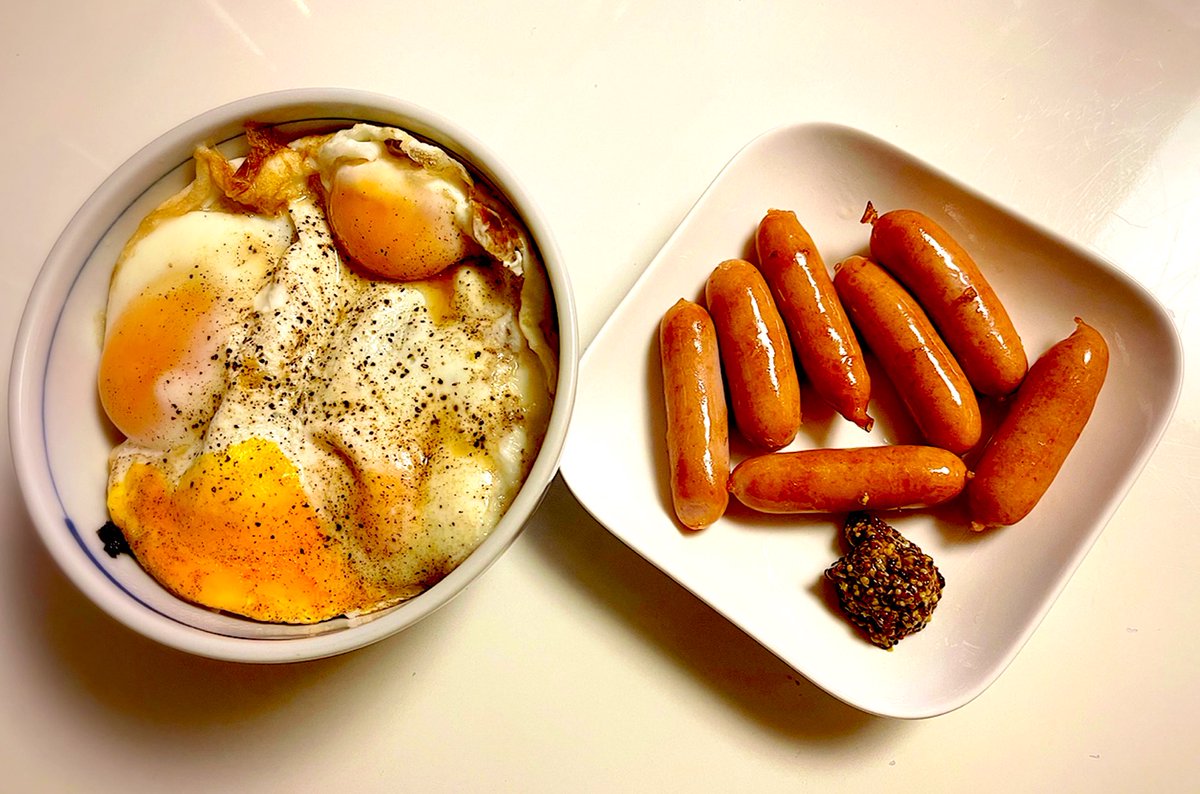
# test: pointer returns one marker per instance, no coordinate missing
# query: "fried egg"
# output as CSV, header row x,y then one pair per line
x,y
395,216
333,370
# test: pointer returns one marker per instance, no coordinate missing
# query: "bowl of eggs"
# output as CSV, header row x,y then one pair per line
x,y
296,374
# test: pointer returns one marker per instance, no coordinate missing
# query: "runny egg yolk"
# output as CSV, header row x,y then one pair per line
x,y
396,219
176,299
238,533
165,330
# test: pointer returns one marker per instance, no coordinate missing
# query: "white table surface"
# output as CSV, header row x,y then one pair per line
x,y
573,664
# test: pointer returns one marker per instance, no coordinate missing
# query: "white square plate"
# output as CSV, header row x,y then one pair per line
x,y
765,572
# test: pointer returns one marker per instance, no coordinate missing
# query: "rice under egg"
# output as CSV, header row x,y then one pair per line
x,y
333,365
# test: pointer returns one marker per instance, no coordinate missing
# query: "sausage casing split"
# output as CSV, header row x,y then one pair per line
x,y
958,298
930,382
764,392
842,480
697,419
1049,412
821,335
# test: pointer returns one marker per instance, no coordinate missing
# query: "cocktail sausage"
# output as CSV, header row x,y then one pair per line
x,y
929,380
760,372
948,284
697,422
842,480
821,335
1047,416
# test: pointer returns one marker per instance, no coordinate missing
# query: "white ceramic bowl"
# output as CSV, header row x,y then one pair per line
x,y
61,438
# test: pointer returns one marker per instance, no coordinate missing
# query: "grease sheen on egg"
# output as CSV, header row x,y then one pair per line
x,y
306,439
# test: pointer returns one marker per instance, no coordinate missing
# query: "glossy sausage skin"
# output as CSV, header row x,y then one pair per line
x,y
929,380
842,480
697,421
764,393
821,335
950,287
1046,418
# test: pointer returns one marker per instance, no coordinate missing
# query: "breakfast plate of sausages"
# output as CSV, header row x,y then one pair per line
x,y
843,351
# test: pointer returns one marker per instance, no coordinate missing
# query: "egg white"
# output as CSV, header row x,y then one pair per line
x,y
410,412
